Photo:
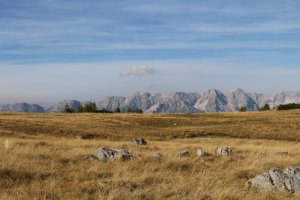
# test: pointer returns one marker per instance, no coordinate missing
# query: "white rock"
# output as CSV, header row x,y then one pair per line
x,y
183,153
224,151
202,153
105,154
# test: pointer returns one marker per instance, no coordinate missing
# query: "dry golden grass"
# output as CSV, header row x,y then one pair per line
x,y
42,155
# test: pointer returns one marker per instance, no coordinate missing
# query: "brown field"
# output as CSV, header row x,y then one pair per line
x,y
42,155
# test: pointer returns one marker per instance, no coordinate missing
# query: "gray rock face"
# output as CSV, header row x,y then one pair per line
x,y
22,107
174,103
183,153
287,181
73,104
140,100
262,181
139,141
285,98
171,103
238,98
224,151
105,154
112,103
202,153
260,99
213,101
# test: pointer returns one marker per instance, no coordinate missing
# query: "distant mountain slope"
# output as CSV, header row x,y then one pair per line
x,y
238,98
260,99
74,104
285,98
178,102
212,100
22,107
158,103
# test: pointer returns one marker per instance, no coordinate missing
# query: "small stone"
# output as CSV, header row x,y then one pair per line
x,y
224,151
139,141
105,154
202,153
157,156
183,153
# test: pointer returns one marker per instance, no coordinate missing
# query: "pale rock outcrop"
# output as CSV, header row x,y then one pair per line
x,y
105,154
224,151
139,141
275,179
183,153
202,153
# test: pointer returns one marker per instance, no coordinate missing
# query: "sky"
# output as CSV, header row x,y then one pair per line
x,y
51,50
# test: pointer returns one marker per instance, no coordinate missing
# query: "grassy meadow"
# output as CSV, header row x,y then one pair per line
x,y
42,156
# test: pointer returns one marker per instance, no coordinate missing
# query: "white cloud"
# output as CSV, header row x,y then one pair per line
x,y
139,70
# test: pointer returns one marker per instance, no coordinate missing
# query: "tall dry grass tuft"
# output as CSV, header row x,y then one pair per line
x,y
7,143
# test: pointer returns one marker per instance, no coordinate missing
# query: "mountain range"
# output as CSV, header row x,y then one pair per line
x,y
212,100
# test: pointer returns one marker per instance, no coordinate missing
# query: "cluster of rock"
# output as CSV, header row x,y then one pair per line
x,y
183,153
222,151
275,179
105,154
139,141
202,153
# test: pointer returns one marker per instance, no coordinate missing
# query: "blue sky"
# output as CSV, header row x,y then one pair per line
x,y
72,49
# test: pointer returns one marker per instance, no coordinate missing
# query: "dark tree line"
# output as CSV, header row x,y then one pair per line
x,y
265,107
289,106
91,107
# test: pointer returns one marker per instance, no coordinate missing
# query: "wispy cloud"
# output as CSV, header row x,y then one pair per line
x,y
63,32
139,70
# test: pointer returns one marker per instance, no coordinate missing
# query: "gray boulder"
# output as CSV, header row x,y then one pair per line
x,y
139,141
183,153
262,181
288,181
105,154
278,178
202,153
224,151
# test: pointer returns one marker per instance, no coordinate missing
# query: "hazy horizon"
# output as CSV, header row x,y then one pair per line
x,y
53,50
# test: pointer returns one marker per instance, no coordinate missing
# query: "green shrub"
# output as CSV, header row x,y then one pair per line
x,y
243,109
88,107
68,109
265,107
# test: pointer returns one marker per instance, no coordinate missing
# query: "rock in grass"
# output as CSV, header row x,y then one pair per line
x,y
275,179
157,156
105,154
262,181
139,141
224,151
202,153
183,153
